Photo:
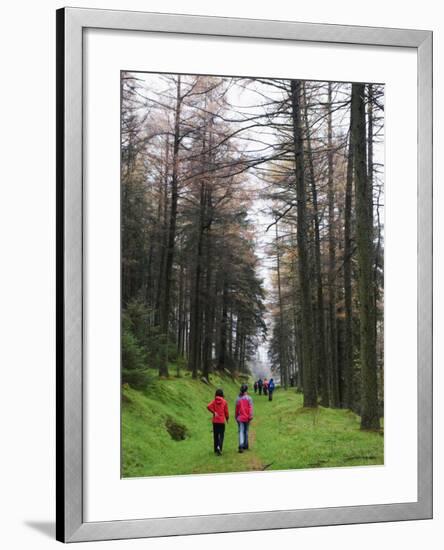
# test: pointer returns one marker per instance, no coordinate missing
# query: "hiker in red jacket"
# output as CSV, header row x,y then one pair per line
x,y
244,415
219,408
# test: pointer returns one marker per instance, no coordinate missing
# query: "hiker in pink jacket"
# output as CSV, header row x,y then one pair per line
x,y
243,415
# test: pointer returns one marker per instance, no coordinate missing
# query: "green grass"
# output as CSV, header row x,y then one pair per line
x,y
283,435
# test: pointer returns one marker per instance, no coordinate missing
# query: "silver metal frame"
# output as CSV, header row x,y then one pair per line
x,y
70,526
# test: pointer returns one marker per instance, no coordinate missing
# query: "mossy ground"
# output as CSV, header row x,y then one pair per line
x,y
283,435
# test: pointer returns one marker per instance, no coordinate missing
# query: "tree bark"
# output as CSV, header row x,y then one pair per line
x,y
365,253
309,377
195,317
165,307
333,332
221,363
209,299
282,334
348,321
320,351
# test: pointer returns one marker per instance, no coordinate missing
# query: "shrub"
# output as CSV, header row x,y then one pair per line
x,y
177,431
134,365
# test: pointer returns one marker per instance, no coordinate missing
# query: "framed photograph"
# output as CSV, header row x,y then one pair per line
x,y
244,274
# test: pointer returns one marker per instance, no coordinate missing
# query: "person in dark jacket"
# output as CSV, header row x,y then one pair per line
x,y
243,415
271,387
255,386
219,408
260,384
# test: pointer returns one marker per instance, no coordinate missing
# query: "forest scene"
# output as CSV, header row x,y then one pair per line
x,y
252,274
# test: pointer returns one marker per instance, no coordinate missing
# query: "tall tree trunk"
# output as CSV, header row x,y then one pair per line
x,y
365,253
333,336
237,344
348,321
282,333
370,176
221,363
209,300
165,307
162,244
196,317
309,380
230,334
181,312
297,332
320,351
242,354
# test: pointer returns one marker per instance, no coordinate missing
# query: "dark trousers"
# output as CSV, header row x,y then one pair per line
x,y
260,390
218,435
270,395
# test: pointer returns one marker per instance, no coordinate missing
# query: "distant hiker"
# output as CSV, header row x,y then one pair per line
x,y
255,386
271,387
219,408
260,385
265,386
243,415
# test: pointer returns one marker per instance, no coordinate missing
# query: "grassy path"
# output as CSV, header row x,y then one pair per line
x,y
287,436
260,411
283,435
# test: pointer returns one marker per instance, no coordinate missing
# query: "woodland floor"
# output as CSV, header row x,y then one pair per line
x,y
283,435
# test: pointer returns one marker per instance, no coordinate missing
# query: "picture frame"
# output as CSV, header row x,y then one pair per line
x,y
71,525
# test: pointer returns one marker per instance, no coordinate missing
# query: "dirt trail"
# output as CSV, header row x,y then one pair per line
x,y
253,459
